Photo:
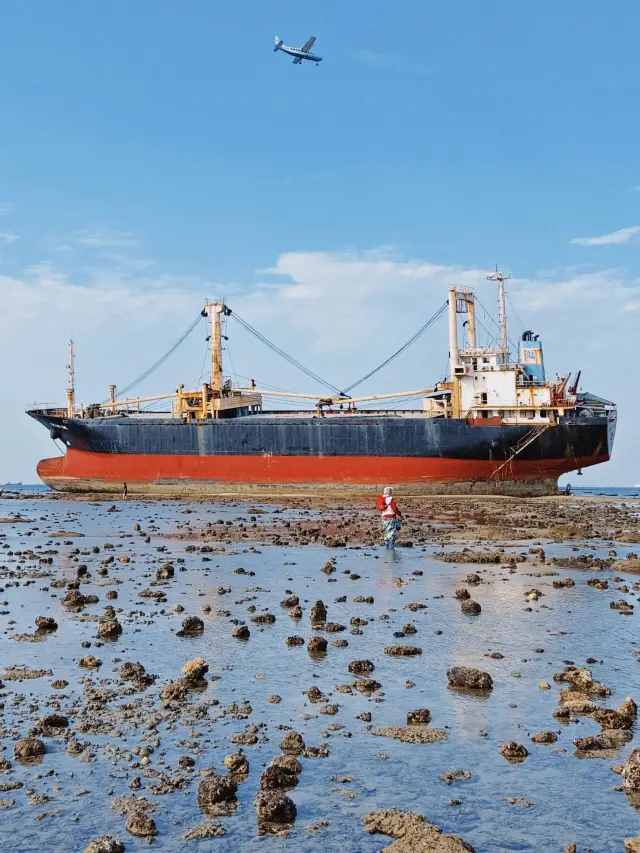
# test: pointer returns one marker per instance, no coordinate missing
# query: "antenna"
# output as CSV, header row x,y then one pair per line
x,y
71,390
500,277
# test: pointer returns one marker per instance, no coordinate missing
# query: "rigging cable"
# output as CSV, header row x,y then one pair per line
x,y
515,313
160,361
282,353
406,346
496,324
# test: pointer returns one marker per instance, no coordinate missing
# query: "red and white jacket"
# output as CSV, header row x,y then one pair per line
x,y
391,508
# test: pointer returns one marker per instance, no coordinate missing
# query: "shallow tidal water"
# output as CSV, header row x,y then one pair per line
x,y
573,798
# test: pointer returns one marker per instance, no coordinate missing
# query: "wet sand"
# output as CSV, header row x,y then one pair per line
x,y
231,565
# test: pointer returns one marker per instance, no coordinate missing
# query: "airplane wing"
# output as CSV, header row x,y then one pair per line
x,y
309,45
297,60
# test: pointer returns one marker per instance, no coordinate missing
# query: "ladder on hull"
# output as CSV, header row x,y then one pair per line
x,y
527,439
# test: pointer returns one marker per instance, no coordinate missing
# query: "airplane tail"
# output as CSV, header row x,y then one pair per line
x,y
279,44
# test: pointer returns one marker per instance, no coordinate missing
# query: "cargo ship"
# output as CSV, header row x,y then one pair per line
x,y
495,425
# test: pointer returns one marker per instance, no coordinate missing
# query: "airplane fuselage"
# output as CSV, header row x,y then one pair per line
x,y
300,54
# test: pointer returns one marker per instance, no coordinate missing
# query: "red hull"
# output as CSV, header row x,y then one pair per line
x,y
84,471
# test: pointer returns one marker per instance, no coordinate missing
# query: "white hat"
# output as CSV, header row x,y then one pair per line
x,y
388,491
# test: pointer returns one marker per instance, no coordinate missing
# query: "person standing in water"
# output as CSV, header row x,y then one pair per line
x,y
125,491
391,517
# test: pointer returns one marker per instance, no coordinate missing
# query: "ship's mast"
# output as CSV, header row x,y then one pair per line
x,y
500,277
214,310
71,390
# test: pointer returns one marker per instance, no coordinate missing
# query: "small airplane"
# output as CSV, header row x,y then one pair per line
x,y
299,53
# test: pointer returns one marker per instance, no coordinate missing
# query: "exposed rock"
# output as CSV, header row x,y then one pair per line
x,y
317,645
470,606
462,593
276,776
52,725
136,674
413,832
74,599
319,612
195,670
290,601
314,694
412,734
141,825
513,751
21,673
421,717
237,764
131,803
455,776
109,629
609,739
46,623
289,762
263,618
174,691
468,678
273,807
292,743
90,662
28,747
582,679
578,707
105,844
166,572
241,632
631,771
620,605
608,719
191,626
214,790
209,829
468,556
367,685
546,736
402,651
623,718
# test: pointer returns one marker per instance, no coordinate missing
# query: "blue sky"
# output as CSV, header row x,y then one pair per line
x,y
154,152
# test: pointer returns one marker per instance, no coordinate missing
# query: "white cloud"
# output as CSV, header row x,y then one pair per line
x,y
101,239
6,208
624,235
8,237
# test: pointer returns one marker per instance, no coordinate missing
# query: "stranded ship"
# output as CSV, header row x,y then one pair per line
x,y
494,426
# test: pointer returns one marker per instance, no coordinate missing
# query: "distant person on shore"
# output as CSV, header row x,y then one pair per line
x,y
125,491
391,517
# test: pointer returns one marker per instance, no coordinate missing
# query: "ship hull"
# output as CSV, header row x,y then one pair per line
x,y
263,455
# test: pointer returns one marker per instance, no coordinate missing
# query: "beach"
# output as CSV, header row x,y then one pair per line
x,y
255,621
